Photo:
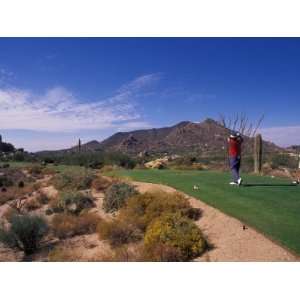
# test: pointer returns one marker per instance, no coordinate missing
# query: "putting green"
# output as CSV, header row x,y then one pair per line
x,y
270,205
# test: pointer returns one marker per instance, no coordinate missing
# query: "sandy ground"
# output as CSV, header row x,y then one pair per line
x,y
230,242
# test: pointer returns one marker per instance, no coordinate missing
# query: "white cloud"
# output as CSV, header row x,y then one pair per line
x,y
282,136
134,125
59,110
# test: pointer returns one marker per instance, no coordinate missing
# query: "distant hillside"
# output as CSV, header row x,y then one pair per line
x,y
183,138
186,137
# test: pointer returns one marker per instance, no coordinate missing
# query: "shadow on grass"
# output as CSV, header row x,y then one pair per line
x,y
270,184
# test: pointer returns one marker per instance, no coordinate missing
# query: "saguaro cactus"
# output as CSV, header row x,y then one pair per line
x,y
79,145
257,153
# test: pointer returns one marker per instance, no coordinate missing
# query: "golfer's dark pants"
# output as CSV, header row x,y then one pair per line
x,y
235,163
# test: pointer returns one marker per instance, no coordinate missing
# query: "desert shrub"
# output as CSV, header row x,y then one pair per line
x,y
67,225
142,209
32,204
73,181
42,198
72,202
192,213
21,184
48,171
49,212
283,160
161,252
9,213
59,254
125,253
116,196
13,193
118,232
7,195
62,181
173,230
101,183
108,169
35,170
19,156
127,162
6,181
25,233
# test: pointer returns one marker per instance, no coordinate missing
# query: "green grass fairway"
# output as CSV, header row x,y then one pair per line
x,y
270,205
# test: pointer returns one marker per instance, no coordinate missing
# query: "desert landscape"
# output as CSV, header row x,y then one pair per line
x,y
146,196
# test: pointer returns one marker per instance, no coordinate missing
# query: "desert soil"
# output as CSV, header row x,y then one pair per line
x,y
230,242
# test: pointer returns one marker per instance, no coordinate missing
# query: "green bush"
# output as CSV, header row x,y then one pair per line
x,y
25,233
176,232
71,202
116,196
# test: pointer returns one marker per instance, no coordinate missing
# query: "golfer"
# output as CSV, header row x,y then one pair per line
x,y
234,146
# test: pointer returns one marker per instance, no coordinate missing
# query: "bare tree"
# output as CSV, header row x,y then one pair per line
x,y
241,123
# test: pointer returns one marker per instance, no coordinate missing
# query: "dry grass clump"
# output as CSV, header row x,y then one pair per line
x,y
35,170
161,252
38,171
32,204
59,254
42,198
101,183
67,225
14,184
118,232
11,176
125,253
181,238
12,193
36,202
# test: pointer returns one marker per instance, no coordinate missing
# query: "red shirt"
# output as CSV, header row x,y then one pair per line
x,y
234,147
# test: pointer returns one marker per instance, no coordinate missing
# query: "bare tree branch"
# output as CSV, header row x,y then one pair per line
x,y
240,122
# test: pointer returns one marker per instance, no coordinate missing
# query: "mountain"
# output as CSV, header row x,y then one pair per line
x,y
90,146
207,137
186,137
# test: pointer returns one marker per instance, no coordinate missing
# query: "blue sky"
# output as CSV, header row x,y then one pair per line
x,y
53,91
